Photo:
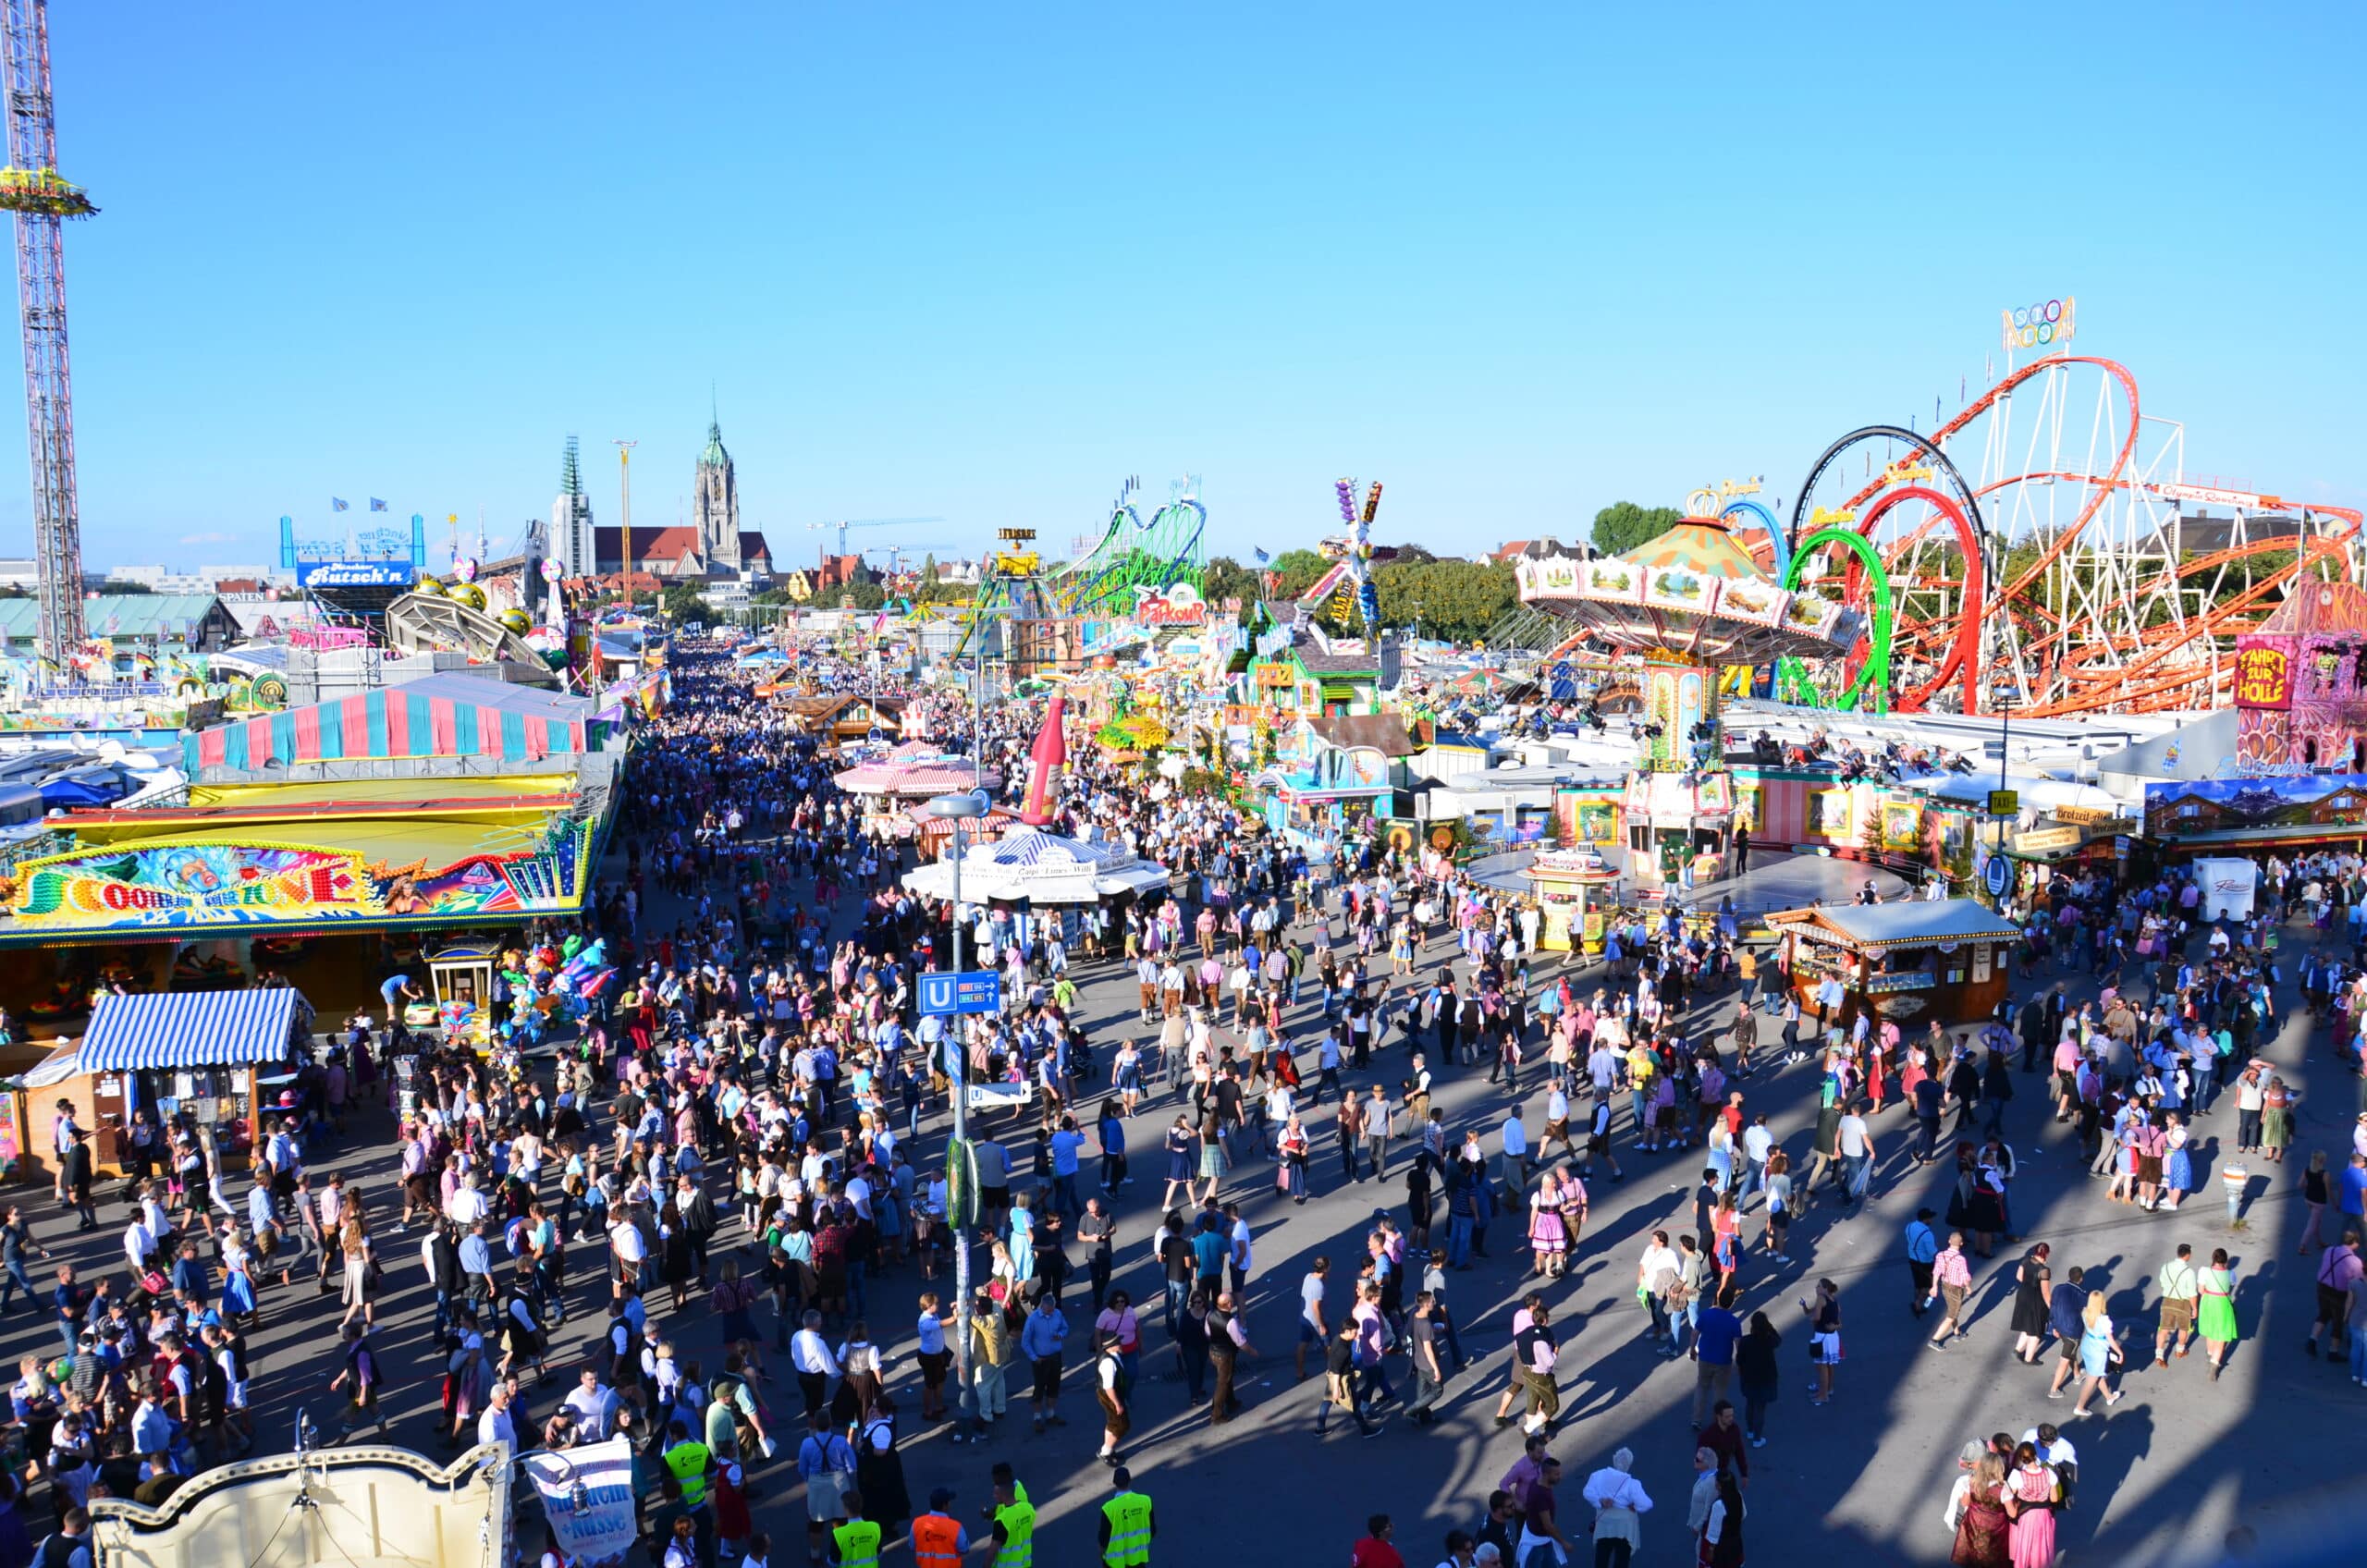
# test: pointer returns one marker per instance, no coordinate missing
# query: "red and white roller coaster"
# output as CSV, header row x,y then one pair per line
x,y
2070,568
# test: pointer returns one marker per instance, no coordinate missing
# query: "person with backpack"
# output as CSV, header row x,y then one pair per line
x,y
69,1546
360,1382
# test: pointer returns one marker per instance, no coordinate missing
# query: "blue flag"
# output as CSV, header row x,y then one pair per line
x,y
1263,557
376,505
338,506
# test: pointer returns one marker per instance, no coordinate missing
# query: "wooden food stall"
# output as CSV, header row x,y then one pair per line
x,y
1912,962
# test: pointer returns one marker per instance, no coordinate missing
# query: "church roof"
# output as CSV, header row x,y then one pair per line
x,y
648,543
715,456
753,545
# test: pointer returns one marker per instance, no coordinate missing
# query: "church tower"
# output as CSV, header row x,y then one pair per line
x,y
717,504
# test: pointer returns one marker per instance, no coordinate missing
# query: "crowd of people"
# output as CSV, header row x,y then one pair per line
x,y
745,1137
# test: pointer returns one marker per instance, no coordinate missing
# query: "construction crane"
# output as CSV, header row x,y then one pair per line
x,y
866,522
31,188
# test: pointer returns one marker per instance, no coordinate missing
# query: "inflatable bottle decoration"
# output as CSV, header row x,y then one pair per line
x,y
1045,760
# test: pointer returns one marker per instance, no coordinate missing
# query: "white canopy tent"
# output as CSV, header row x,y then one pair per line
x,y
1047,868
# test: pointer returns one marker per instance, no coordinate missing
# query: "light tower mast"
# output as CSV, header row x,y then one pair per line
x,y
31,188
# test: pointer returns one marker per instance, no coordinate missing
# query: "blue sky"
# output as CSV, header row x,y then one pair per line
x,y
983,262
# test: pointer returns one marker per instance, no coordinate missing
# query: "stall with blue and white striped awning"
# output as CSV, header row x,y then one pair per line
x,y
194,1029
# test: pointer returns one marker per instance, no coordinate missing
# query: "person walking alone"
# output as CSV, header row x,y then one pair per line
x,y
1951,1281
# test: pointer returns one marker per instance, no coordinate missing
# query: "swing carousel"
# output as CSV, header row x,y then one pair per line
x,y
1689,605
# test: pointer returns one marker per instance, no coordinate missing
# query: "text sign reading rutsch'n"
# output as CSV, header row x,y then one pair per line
x,y
964,991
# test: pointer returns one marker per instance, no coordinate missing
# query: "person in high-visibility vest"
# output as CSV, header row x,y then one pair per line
x,y
1126,1525
854,1544
939,1540
1014,1522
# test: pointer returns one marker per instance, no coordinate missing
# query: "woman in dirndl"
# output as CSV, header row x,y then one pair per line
x,y
2217,1323
2029,1498
1289,1175
360,1275
1549,1238
2178,1164
1983,1533
237,1285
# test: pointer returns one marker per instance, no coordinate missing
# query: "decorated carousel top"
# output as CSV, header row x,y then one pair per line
x,y
1694,594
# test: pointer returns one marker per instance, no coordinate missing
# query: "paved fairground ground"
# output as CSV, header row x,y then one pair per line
x,y
2161,1476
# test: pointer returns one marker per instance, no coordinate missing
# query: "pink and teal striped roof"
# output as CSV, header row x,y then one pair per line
x,y
439,715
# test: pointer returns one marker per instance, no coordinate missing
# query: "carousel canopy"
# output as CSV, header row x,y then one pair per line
x,y
1692,594
1045,867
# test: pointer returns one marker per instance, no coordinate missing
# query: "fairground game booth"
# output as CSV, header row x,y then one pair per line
x,y
218,1056
310,893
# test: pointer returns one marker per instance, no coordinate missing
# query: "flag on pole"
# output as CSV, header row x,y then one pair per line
x,y
376,505
338,506
1263,557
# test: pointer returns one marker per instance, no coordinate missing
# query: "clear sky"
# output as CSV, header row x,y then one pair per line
x,y
983,262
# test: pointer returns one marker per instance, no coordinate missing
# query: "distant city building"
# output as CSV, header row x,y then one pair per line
x,y
270,577
713,548
206,579
15,572
572,541
839,571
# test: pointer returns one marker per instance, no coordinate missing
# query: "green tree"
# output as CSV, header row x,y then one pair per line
x,y
683,603
1295,573
1459,600
1225,578
868,595
1623,525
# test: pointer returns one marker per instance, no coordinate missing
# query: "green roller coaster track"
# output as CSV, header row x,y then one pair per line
x,y
1131,556
1870,688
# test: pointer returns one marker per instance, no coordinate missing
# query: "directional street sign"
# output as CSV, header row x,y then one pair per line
x,y
976,990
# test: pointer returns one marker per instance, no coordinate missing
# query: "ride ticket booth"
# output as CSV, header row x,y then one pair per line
x,y
1911,963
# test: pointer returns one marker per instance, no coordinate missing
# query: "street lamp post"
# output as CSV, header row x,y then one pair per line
x,y
2000,697
955,809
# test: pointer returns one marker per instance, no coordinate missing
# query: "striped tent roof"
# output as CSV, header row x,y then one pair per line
x,y
436,716
1050,849
193,1029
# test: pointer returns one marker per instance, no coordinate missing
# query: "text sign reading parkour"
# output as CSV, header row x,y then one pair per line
x,y
965,991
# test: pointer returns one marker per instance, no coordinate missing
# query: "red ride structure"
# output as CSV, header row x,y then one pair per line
x,y
31,187
2046,549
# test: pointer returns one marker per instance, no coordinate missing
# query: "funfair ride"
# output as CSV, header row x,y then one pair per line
x,y
1134,560
31,187
2044,549
1346,591
1688,604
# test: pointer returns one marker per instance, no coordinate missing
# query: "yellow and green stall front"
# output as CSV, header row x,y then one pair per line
x,y
326,885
